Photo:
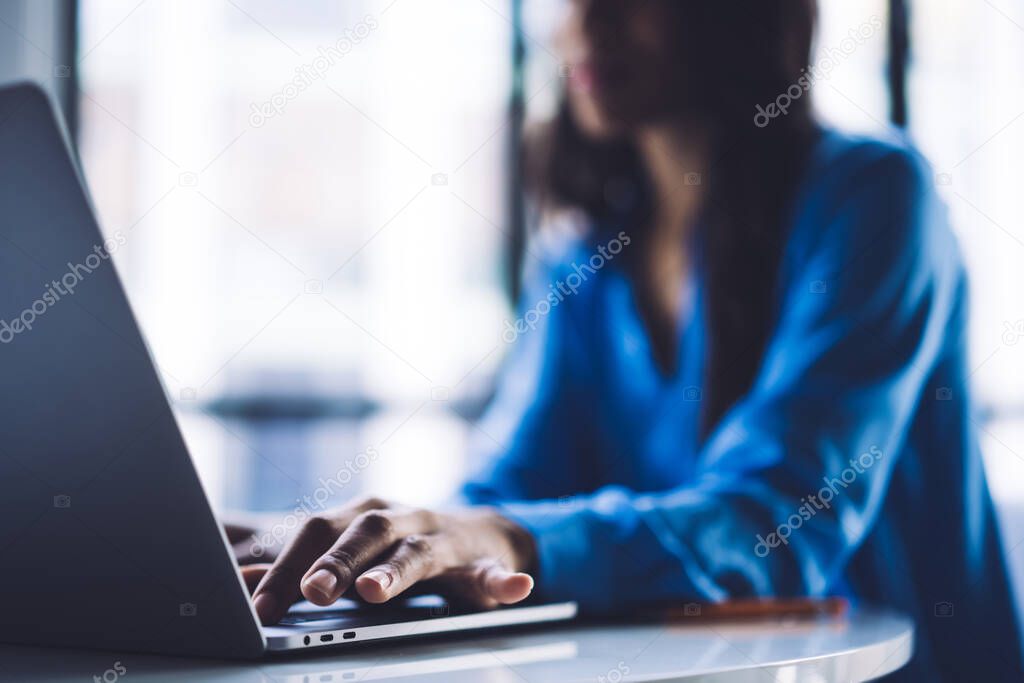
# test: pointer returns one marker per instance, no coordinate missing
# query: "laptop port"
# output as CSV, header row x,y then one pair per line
x,y
348,635
326,638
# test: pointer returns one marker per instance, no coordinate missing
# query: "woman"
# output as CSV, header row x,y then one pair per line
x,y
743,375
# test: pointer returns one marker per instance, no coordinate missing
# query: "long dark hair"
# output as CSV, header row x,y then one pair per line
x,y
738,54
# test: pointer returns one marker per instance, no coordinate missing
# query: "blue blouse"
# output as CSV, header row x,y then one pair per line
x,y
850,468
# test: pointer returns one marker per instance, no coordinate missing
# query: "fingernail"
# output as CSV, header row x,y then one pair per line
x,y
323,582
382,579
265,606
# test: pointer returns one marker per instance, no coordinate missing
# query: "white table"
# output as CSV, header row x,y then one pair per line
x,y
861,646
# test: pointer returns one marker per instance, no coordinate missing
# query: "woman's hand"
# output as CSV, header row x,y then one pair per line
x,y
380,550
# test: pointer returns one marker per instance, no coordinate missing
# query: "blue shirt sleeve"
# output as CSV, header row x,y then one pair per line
x,y
526,445
792,478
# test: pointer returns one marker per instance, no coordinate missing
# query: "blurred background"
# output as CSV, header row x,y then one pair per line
x,y
325,223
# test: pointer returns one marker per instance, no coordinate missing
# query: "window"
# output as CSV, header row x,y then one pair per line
x,y
968,116
850,89
335,250
313,198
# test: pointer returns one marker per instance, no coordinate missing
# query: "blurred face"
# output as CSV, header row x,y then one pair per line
x,y
623,65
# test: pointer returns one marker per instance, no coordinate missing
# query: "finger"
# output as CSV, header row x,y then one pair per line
x,y
280,587
482,585
460,587
415,559
500,584
253,573
369,535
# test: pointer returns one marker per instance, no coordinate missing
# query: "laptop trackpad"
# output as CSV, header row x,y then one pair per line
x,y
349,614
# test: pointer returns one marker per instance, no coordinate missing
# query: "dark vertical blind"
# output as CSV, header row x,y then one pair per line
x,y
516,197
68,88
898,61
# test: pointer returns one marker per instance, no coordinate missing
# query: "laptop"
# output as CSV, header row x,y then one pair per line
x,y
107,538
